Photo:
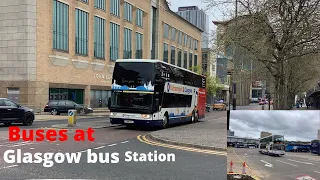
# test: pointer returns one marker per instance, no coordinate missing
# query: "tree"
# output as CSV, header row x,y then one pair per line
x,y
212,84
282,35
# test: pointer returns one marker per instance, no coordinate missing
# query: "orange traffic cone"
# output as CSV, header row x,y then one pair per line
x,y
230,169
244,168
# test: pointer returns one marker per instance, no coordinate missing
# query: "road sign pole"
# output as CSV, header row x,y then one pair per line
x,y
72,118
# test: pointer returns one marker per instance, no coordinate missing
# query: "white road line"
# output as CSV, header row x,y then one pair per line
x,y
99,147
317,172
112,144
58,144
124,142
300,162
31,148
82,151
9,167
287,163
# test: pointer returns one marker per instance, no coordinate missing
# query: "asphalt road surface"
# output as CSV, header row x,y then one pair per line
x,y
187,165
288,167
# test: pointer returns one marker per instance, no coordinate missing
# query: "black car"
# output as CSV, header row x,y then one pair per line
x,y
11,112
55,107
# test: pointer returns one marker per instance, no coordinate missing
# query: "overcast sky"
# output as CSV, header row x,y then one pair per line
x,y
294,125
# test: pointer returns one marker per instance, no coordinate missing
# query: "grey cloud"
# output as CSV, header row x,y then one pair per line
x,y
294,125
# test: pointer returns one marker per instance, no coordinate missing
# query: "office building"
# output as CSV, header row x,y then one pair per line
x,y
198,18
66,49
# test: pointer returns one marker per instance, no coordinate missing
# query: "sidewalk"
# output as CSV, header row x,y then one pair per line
x,y
48,116
208,134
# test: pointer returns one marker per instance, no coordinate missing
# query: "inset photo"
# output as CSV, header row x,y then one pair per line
x,y
274,145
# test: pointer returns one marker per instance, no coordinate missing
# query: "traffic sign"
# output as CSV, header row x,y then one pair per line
x,y
71,113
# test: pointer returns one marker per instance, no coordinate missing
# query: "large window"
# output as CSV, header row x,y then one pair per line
x,y
85,1
132,100
82,29
173,34
60,26
185,60
173,55
99,39
179,58
127,52
180,37
100,4
139,43
190,60
185,39
139,18
190,42
171,100
195,44
114,41
128,12
165,30
115,7
165,52
195,61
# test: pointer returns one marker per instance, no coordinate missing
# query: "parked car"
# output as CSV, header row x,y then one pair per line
x,y
12,112
55,107
219,106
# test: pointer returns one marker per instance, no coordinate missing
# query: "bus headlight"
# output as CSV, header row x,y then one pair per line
x,y
146,116
113,114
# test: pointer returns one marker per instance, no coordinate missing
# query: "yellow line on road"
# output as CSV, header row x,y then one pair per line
x,y
254,175
145,140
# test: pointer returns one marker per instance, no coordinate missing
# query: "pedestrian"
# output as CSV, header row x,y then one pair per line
x,y
307,105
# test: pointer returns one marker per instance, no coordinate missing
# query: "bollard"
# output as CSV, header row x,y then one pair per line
x,y
230,169
72,120
244,168
262,107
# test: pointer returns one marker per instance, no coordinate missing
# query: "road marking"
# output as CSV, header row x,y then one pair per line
x,y
287,163
145,140
267,164
82,151
301,162
31,148
9,167
99,147
317,172
112,144
124,142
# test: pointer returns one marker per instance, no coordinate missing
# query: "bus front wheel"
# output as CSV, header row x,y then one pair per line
x,y
165,121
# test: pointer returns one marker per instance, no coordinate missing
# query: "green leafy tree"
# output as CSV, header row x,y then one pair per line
x,y
213,85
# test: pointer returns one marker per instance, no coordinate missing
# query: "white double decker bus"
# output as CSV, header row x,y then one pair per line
x,y
272,145
154,93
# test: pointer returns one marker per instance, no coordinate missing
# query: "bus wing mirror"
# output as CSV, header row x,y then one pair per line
x,y
109,102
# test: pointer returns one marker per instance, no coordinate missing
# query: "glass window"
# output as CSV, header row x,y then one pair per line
x,y
70,103
185,40
115,7
139,43
171,100
180,37
179,58
195,61
100,4
2,103
173,55
190,60
128,12
85,1
191,41
82,19
165,52
60,26
132,100
127,44
139,18
99,41
10,103
165,30
173,34
185,60
114,41
195,44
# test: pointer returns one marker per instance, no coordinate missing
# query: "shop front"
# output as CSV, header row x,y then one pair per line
x,y
76,95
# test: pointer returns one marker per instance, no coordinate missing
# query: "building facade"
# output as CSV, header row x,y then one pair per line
x,y
198,18
66,49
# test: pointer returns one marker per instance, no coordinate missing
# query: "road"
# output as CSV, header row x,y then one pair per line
x,y
188,165
289,166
